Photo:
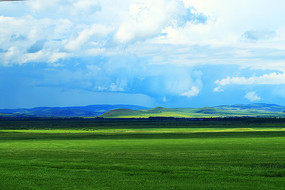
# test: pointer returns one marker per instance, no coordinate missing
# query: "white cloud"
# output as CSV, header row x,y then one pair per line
x,y
272,78
85,35
19,35
72,9
116,88
30,57
38,5
133,75
96,51
194,91
149,18
165,37
57,56
252,96
168,28
85,7
256,35
218,89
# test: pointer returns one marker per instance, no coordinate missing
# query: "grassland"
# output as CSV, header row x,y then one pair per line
x,y
142,154
205,112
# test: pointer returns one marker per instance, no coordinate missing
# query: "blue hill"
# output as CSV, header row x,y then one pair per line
x,y
75,111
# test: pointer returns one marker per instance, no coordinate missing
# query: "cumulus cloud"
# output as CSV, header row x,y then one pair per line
x,y
26,35
89,27
252,96
271,78
218,89
38,5
127,76
256,35
147,46
68,9
85,7
68,27
185,32
194,91
149,18
82,28
54,57
85,35
115,88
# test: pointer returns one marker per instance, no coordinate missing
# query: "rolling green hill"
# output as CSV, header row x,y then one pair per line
x,y
75,111
132,111
205,112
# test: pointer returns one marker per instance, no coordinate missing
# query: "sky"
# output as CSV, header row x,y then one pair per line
x,y
170,53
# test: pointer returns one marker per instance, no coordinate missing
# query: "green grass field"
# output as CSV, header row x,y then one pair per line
x,y
205,112
141,155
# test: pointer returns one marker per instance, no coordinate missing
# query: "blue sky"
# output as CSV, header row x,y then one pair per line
x,y
171,53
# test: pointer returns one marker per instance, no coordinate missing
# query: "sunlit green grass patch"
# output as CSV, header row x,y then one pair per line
x,y
143,157
143,130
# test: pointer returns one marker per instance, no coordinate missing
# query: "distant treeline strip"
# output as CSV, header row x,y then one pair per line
x,y
245,119
107,123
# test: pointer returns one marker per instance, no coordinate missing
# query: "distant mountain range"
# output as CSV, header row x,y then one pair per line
x,y
257,106
126,111
76,111
239,110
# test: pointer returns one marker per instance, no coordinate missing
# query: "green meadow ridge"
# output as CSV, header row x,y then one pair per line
x,y
133,111
82,154
75,111
253,110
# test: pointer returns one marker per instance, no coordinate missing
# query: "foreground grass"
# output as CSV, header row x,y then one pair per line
x,y
200,160
142,130
133,154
